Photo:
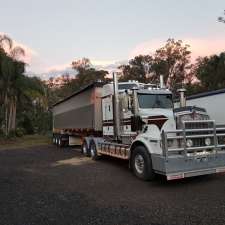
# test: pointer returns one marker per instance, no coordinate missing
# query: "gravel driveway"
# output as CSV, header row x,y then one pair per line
x,y
47,185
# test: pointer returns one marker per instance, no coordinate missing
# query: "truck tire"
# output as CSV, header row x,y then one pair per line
x,y
53,139
141,164
84,149
59,142
93,150
56,140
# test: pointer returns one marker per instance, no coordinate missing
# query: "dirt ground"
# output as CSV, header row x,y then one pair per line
x,y
52,186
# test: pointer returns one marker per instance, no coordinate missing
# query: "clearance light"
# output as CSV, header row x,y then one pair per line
x,y
220,170
175,176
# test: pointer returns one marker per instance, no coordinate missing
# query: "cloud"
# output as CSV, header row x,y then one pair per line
x,y
206,46
65,68
145,48
59,67
199,46
108,65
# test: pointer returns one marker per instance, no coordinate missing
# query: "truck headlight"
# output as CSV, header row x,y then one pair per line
x,y
189,143
207,141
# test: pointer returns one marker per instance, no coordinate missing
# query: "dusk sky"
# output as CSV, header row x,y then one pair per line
x,y
56,32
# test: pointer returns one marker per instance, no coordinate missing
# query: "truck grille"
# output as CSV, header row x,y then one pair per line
x,y
197,136
197,142
199,125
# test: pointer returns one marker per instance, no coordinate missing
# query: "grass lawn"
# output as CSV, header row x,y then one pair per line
x,y
25,141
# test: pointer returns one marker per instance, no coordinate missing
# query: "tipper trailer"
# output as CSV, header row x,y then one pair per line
x,y
137,122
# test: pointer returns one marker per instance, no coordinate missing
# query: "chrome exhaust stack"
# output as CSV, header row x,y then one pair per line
x,y
182,97
116,112
161,81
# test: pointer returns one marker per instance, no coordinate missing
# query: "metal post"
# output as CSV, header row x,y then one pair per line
x,y
185,140
215,137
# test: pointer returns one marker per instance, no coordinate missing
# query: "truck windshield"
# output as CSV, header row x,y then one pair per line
x,y
155,101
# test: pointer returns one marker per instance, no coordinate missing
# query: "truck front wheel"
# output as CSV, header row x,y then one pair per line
x,y
141,163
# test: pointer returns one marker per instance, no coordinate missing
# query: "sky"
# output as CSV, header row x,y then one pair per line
x,y
54,33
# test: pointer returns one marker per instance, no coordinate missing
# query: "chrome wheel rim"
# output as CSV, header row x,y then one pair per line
x,y
92,151
84,149
139,163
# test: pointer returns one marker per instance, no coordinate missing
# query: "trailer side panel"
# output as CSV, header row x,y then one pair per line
x,y
81,111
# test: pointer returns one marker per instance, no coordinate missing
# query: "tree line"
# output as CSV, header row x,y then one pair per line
x,y
23,99
173,61
26,101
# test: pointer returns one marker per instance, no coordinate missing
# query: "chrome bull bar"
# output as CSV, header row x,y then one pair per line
x,y
180,137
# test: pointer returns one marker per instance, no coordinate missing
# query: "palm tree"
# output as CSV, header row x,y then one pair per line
x,y
5,41
11,68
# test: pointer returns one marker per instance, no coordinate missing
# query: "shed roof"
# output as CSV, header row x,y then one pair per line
x,y
205,94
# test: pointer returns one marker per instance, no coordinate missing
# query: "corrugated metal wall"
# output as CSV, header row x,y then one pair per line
x,y
214,105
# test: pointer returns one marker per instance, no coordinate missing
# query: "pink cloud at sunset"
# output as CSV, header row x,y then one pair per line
x,y
39,66
198,46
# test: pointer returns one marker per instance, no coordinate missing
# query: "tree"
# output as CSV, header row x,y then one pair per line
x,y
33,108
221,18
24,100
137,69
81,64
211,72
5,42
86,74
172,61
10,71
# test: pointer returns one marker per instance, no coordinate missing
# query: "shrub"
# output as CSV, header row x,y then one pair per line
x,y
20,132
2,134
12,134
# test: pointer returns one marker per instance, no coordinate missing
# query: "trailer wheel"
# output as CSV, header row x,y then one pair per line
x,y
141,164
60,142
56,140
93,150
85,149
53,140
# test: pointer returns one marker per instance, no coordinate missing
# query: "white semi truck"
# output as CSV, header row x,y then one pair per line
x,y
138,122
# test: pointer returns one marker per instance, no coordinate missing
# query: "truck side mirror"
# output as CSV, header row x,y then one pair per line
x,y
136,123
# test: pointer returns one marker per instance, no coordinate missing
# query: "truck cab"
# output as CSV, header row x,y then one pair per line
x,y
155,137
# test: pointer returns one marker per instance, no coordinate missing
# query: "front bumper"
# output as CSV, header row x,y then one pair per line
x,y
179,166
